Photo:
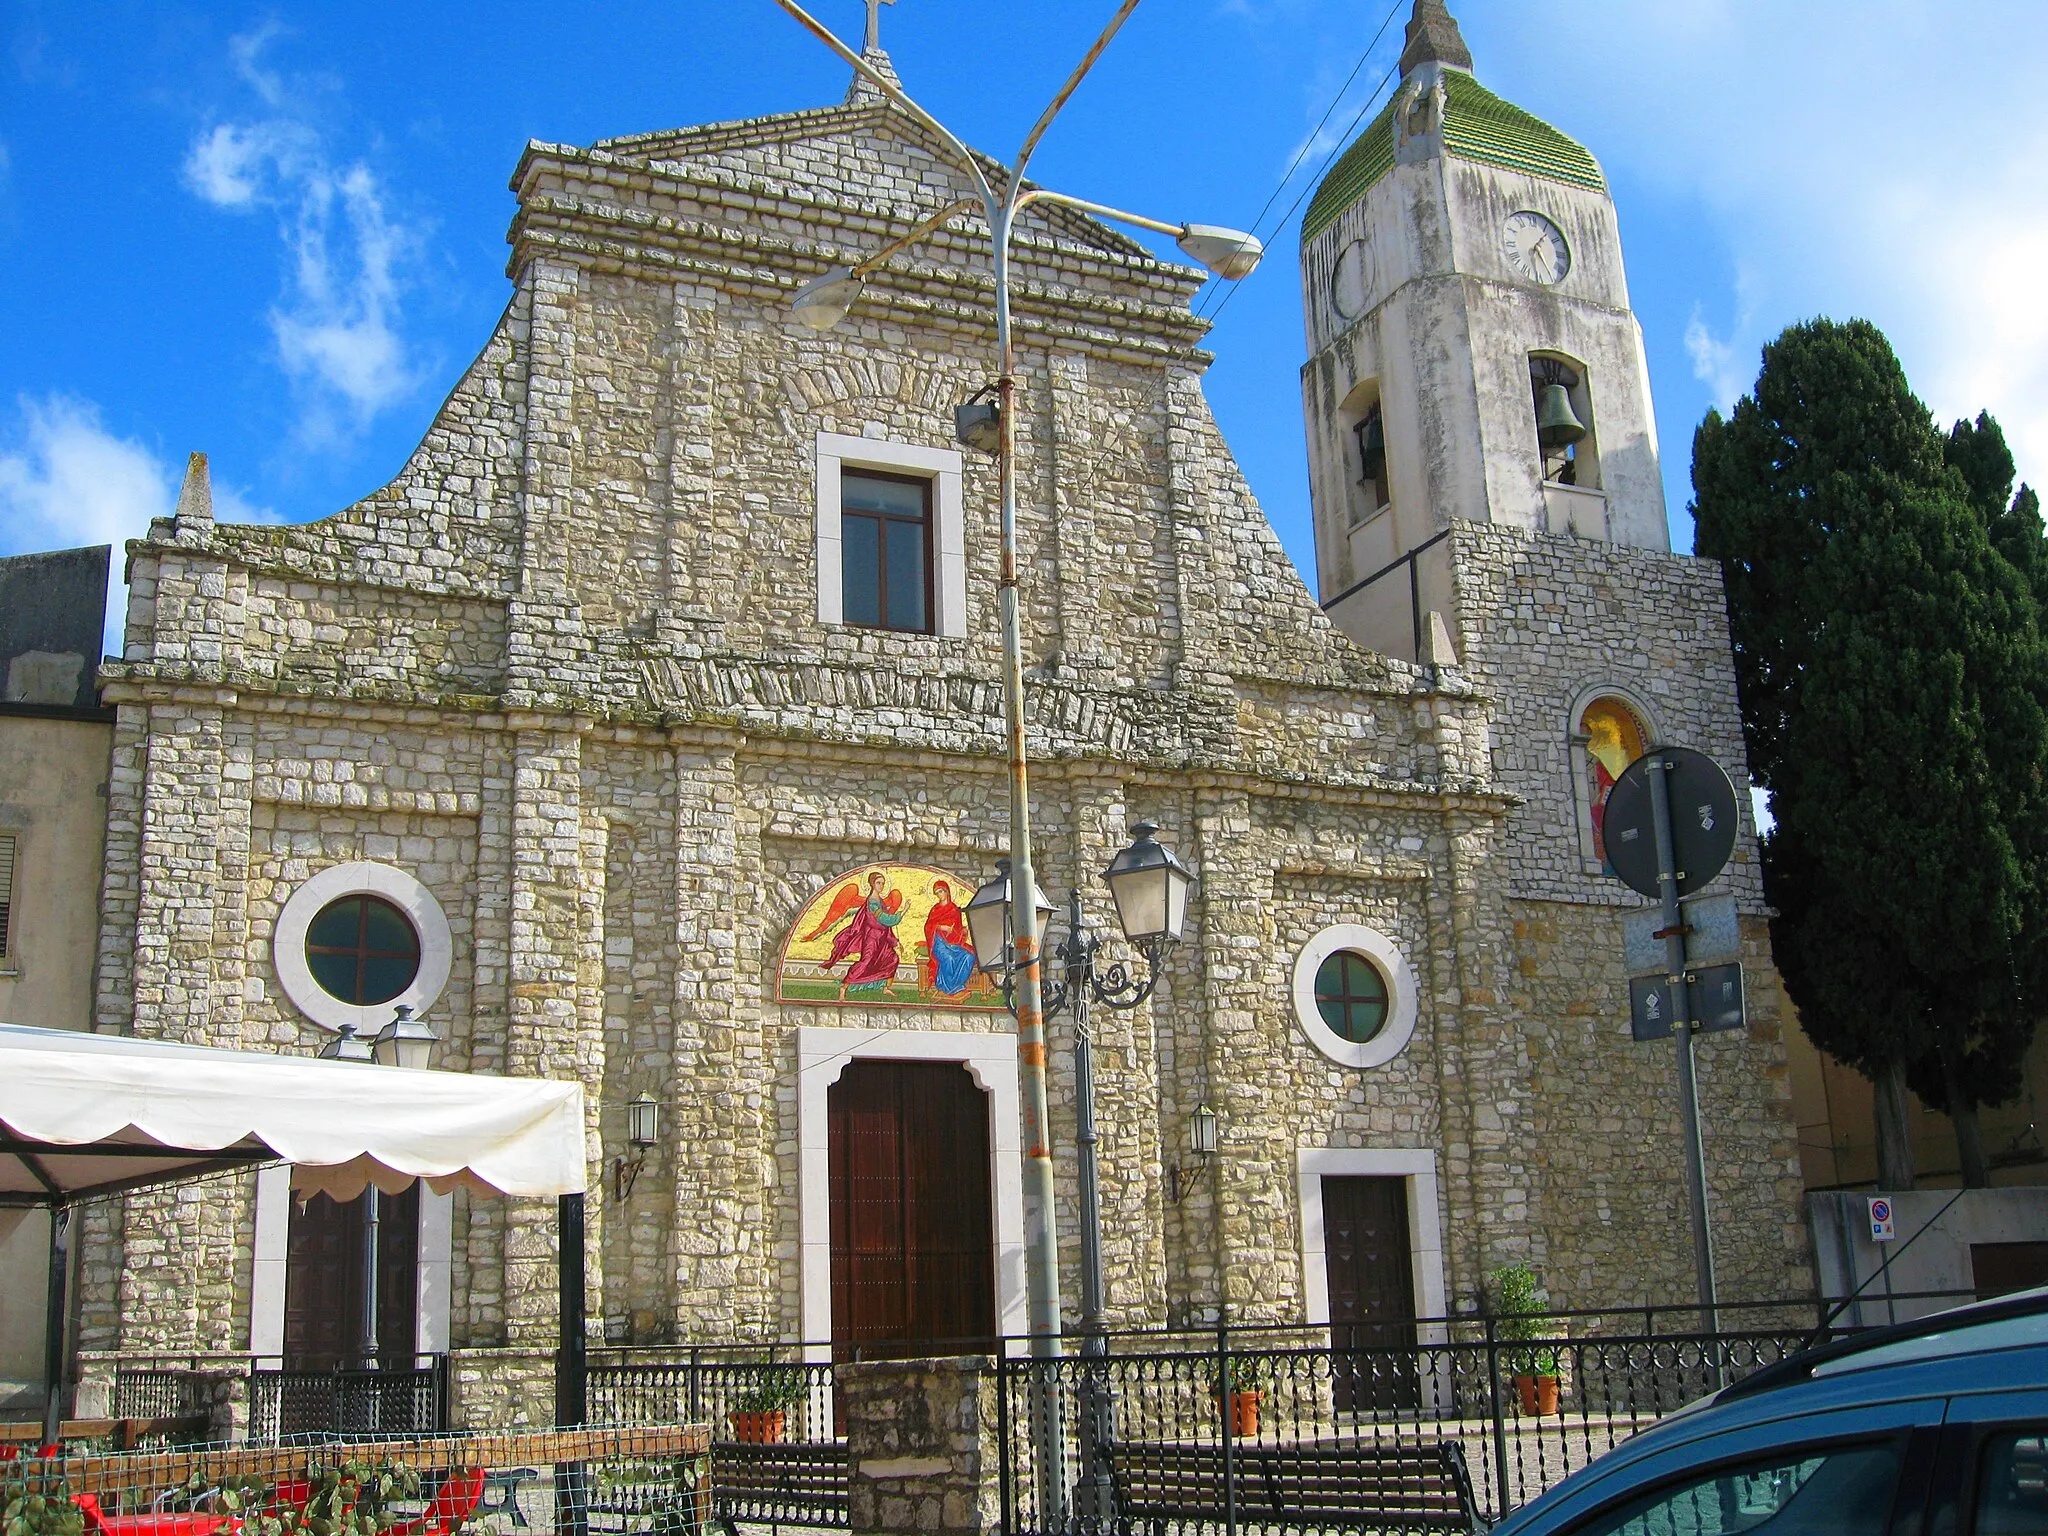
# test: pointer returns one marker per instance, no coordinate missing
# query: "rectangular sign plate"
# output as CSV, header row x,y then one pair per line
x,y
1713,996
1649,1008
1716,937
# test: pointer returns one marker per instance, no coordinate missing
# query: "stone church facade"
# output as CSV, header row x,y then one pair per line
x,y
578,697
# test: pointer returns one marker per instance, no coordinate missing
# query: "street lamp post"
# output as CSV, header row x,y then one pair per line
x,y
821,304
404,1042
1149,886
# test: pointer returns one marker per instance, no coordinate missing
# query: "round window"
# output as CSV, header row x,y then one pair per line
x,y
1354,995
362,950
1351,995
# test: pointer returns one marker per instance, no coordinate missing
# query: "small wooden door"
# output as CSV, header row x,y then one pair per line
x,y
1370,1267
323,1282
913,1253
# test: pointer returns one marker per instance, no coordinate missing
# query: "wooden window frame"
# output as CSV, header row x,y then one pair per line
x,y
10,855
924,521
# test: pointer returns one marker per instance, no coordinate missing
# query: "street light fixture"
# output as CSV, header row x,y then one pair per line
x,y
989,912
823,302
1150,888
349,1046
405,1042
1000,196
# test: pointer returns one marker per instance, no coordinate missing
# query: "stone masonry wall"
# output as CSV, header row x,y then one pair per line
x,y
1546,623
567,670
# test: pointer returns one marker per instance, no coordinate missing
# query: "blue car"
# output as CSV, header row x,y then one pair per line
x,y
1937,1427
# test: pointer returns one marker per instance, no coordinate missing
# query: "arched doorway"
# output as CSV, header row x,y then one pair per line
x,y
913,1255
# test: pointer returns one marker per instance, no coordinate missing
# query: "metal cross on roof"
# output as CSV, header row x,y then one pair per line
x,y
874,37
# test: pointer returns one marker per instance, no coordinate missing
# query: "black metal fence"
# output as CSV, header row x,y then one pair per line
x,y
778,1451
149,1392
1268,1429
1425,1426
409,1398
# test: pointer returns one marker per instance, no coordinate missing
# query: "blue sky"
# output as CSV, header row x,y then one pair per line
x,y
277,233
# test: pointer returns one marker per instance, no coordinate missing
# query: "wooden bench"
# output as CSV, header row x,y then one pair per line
x,y
1370,1484
792,1482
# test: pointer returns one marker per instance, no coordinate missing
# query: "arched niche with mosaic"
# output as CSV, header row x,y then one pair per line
x,y
1609,731
885,936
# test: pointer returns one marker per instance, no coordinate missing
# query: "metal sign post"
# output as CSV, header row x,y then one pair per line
x,y
1682,1027
1669,856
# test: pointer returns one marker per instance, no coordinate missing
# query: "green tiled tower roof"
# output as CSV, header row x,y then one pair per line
x,y
1479,126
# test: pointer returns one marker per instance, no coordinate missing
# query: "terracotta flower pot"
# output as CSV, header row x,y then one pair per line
x,y
1244,1411
1538,1395
758,1428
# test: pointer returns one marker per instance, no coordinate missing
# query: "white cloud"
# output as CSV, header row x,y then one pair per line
x,y
339,324
67,481
1715,363
247,53
234,164
1855,157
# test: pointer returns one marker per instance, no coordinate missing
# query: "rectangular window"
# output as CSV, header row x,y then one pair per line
x,y
886,550
6,895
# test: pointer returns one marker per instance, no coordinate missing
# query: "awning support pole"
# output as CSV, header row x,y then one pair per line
x,y
56,1315
572,1505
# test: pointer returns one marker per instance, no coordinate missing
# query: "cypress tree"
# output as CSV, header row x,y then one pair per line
x,y
1886,619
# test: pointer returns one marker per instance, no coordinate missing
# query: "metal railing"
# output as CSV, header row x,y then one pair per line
x,y
1408,564
778,1451
1420,1427
409,1398
148,1392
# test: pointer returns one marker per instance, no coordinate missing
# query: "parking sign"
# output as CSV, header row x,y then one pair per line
x,y
1881,1230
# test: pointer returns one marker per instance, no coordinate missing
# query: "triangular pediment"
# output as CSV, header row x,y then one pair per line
x,y
865,154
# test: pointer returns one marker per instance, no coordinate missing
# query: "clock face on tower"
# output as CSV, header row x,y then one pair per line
x,y
1536,248
1353,282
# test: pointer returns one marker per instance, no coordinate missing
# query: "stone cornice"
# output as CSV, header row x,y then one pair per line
x,y
761,740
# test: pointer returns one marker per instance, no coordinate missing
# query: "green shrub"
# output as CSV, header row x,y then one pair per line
x,y
1521,1310
771,1392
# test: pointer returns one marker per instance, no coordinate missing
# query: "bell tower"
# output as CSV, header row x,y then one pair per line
x,y
1472,353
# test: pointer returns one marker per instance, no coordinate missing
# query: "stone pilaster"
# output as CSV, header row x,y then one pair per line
x,y
548,1034
921,1440
724,1106
546,654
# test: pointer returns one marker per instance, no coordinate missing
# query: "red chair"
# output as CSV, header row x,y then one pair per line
x,y
156,1523
453,1503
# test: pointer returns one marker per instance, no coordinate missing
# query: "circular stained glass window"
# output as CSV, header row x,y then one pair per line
x,y
362,950
1351,995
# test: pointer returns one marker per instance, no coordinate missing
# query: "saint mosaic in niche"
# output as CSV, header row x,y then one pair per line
x,y
1614,739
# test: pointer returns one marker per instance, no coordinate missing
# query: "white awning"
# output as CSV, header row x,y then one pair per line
x,y
84,1114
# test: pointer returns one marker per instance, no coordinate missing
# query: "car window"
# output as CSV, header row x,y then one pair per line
x,y
2012,1486
1841,1490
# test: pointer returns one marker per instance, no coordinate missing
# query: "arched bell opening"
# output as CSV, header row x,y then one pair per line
x,y
1368,478
1561,399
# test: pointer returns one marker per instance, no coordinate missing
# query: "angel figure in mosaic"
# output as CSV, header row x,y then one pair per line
x,y
869,941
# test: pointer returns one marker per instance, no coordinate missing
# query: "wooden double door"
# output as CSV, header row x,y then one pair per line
x,y
323,1282
913,1250
1369,1263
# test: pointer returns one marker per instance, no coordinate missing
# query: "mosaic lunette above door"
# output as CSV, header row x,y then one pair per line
x,y
885,936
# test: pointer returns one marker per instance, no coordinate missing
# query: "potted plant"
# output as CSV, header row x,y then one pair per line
x,y
1245,1381
759,1412
1520,1306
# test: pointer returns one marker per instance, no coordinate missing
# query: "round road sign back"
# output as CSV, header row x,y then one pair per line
x,y
1703,820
